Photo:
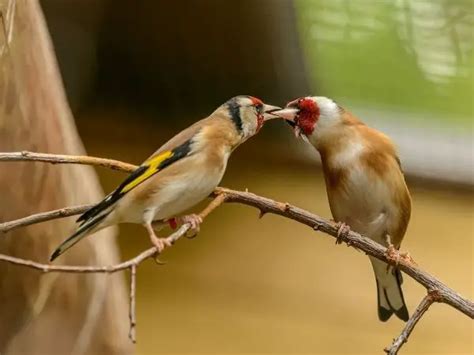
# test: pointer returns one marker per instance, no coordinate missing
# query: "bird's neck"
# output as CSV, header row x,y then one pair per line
x,y
341,143
341,150
220,137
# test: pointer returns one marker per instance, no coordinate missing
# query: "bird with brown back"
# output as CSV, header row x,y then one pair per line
x,y
364,181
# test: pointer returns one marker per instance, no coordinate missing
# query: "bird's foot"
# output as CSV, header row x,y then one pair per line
x,y
160,243
407,258
194,221
342,231
393,254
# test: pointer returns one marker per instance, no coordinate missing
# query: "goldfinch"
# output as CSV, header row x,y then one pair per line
x,y
183,172
364,181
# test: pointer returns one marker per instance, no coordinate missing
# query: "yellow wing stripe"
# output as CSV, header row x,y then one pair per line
x,y
153,167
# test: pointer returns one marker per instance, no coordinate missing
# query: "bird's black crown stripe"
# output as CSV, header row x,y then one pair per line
x,y
234,111
178,153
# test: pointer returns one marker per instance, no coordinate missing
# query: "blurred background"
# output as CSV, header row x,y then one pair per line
x,y
137,72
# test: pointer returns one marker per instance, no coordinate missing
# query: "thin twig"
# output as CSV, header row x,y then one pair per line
x,y
438,291
110,269
216,202
133,319
66,159
43,217
427,301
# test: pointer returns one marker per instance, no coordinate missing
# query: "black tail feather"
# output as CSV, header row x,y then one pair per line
x,y
80,233
384,313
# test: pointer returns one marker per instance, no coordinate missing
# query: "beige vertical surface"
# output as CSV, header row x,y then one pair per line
x,y
48,313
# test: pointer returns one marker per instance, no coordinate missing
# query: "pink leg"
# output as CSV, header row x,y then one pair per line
x,y
194,220
342,230
159,243
392,252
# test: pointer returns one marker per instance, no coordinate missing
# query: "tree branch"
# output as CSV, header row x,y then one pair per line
x,y
425,303
437,291
43,217
66,159
351,238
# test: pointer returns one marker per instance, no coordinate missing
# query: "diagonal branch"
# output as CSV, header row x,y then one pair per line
x,y
351,238
425,303
437,291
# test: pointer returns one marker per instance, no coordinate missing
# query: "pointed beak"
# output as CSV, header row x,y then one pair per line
x,y
268,112
288,113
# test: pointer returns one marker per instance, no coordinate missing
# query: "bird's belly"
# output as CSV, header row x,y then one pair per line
x,y
364,203
184,193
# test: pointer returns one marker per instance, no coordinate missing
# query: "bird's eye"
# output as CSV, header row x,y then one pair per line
x,y
259,108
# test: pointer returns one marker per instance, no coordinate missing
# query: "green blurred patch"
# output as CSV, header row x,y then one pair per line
x,y
417,56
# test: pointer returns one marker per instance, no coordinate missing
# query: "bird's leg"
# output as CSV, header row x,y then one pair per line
x,y
194,221
392,252
395,255
342,230
159,243
158,225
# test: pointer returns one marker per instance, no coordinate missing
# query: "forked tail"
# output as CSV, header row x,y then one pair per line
x,y
84,229
389,291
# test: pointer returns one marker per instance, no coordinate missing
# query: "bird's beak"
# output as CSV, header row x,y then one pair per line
x,y
288,113
268,112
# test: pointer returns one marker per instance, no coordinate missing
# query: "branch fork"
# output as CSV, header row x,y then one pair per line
x,y
432,297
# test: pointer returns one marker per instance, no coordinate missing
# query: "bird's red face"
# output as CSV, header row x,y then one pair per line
x,y
302,114
259,106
